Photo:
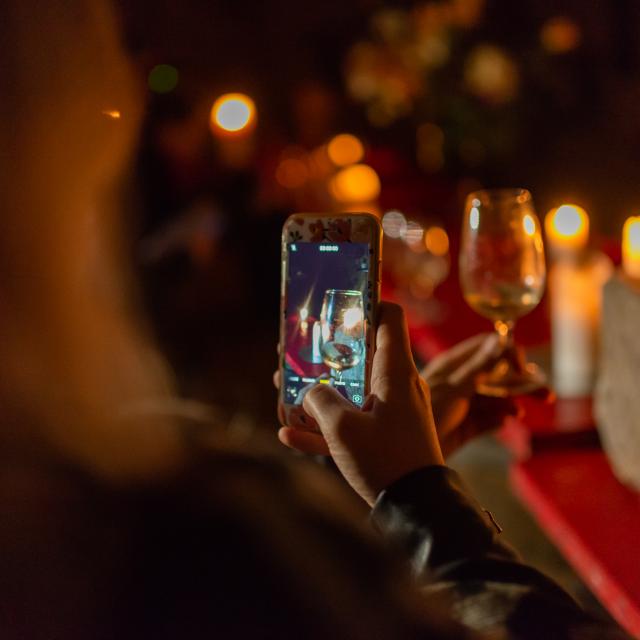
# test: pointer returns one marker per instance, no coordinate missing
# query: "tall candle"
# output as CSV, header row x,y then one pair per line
x,y
631,247
575,289
567,229
316,355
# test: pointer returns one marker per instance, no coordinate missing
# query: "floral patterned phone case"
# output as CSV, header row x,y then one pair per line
x,y
330,289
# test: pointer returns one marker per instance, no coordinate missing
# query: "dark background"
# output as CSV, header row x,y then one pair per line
x,y
576,139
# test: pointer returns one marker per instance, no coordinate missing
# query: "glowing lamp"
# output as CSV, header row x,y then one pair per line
x,y
233,113
631,247
567,228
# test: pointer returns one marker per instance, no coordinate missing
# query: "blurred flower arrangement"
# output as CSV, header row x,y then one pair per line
x,y
469,97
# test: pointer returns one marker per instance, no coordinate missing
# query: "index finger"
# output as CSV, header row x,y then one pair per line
x,y
452,358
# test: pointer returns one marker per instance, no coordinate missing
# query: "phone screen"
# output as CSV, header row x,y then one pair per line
x,y
327,302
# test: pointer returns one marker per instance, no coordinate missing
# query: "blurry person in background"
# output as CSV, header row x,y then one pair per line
x,y
123,516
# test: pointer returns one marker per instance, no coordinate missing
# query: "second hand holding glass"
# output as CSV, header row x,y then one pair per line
x,y
502,273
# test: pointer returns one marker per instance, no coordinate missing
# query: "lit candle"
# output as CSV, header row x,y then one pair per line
x,y
316,356
567,229
631,247
304,325
575,289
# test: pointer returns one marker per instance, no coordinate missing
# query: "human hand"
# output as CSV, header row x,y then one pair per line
x,y
392,435
460,413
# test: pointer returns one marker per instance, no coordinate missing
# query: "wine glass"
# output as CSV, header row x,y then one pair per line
x,y
502,273
342,329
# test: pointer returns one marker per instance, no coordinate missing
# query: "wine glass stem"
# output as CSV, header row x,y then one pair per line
x,y
511,354
504,329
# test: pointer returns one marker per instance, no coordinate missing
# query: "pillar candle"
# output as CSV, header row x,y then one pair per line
x,y
575,289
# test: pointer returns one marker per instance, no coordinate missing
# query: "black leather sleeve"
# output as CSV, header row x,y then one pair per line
x,y
455,548
434,519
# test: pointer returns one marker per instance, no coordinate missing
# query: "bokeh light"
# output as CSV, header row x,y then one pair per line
x,y
357,183
394,224
233,112
345,149
491,74
413,236
114,114
163,78
560,35
437,241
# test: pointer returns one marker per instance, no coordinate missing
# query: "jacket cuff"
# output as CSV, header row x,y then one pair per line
x,y
431,515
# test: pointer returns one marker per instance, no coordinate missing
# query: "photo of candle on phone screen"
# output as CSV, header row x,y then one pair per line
x,y
326,305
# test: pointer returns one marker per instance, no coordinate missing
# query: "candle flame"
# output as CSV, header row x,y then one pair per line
x,y
631,246
567,228
631,235
114,114
569,220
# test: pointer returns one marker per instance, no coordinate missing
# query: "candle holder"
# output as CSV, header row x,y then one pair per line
x,y
617,401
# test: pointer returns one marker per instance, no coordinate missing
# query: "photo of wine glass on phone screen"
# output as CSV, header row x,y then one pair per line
x,y
328,296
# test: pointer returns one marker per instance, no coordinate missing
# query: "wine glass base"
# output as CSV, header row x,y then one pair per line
x,y
505,382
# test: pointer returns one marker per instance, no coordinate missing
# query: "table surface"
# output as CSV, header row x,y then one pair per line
x,y
594,521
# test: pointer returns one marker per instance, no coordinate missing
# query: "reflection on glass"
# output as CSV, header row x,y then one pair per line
x,y
342,322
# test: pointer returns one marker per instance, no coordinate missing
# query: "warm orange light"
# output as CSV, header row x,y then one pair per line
x,y
567,228
529,225
631,247
560,35
437,241
357,183
233,112
345,149
114,114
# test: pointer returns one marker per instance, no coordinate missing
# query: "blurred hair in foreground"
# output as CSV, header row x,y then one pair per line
x,y
73,356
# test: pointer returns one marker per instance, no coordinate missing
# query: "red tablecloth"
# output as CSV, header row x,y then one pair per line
x,y
593,519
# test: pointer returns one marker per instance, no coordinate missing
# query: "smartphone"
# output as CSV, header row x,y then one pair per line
x,y
330,289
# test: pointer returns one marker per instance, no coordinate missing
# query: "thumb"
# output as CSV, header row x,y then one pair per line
x,y
392,360
326,406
